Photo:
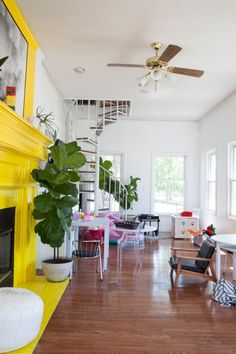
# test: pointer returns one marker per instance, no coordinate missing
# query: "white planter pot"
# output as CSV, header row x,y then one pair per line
x,y
57,272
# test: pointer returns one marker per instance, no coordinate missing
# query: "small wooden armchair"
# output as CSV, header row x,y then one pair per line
x,y
198,265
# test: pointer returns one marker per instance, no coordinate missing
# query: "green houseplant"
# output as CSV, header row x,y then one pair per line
x,y
113,185
45,122
53,208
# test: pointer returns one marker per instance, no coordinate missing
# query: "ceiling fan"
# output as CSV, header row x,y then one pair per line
x,y
158,65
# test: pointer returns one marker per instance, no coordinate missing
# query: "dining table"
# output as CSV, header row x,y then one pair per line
x,y
226,242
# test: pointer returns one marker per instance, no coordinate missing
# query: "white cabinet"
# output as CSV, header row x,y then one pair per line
x,y
180,225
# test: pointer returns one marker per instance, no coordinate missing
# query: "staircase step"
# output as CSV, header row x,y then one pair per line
x,y
90,162
116,111
87,191
90,200
103,209
88,152
99,132
96,128
107,122
86,182
87,140
87,172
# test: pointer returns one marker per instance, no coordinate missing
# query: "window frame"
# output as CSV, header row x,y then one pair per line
x,y
209,154
122,159
185,180
231,169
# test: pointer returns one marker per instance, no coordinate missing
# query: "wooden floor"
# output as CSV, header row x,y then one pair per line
x,y
138,311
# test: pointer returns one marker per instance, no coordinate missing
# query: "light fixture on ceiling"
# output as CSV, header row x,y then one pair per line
x,y
142,81
79,69
154,75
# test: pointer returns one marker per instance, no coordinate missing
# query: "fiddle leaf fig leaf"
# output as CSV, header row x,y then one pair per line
x,y
39,215
75,160
71,148
67,189
61,178
44,202
67,202
58,154
74,176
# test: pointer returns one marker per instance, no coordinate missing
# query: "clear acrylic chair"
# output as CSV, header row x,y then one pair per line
x,y
88,249
132,241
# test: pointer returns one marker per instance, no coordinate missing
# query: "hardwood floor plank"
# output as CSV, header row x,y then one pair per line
x,y
137,311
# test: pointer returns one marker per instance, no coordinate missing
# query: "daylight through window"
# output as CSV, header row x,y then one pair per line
x,y
169,188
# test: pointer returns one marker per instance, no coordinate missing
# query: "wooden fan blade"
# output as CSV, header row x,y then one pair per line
x,y
127,65
186,71
170,52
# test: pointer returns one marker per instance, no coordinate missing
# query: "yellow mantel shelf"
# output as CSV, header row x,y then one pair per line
x,y
50,293
17,134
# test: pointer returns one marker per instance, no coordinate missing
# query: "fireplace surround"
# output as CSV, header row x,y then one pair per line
x,y
7,224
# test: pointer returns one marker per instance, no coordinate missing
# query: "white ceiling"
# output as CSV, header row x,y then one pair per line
x,y
91,33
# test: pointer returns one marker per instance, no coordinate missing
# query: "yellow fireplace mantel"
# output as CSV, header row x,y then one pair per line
x,y
21,148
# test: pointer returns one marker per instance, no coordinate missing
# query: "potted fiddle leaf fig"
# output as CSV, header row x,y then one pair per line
x,y
53,208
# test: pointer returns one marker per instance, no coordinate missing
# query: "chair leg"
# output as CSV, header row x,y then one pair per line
x,y
213,273
138,259
225,263
176,279
100,263
121,256
118,255
178,270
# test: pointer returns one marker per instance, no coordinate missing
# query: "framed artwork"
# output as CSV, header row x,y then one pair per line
x,y
13,62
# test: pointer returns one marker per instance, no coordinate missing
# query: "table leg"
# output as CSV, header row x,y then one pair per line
x,y
234,265
217,261
106,246
73,233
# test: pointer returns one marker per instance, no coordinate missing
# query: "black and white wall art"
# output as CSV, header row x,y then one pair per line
x,y
13,60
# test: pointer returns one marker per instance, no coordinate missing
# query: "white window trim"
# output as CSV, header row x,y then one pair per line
x,y
122,154
230,166
208,154
186,179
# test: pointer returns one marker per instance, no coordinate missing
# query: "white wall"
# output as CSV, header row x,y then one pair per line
x,y
47,96
138,141
217,129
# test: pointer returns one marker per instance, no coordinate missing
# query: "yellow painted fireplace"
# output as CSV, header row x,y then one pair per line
x,y
21,148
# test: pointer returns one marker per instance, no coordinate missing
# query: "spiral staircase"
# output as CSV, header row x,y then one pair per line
x,y
96,115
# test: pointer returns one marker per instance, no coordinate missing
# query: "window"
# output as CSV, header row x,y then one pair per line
x,y
116,160
232,180
211,181
116,163
169,184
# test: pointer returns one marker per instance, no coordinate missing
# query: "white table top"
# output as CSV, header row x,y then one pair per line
x,y
225,239
94,222
147,228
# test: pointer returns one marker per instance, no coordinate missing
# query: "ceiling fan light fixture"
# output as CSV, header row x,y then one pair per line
x,y
142,81
156,74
